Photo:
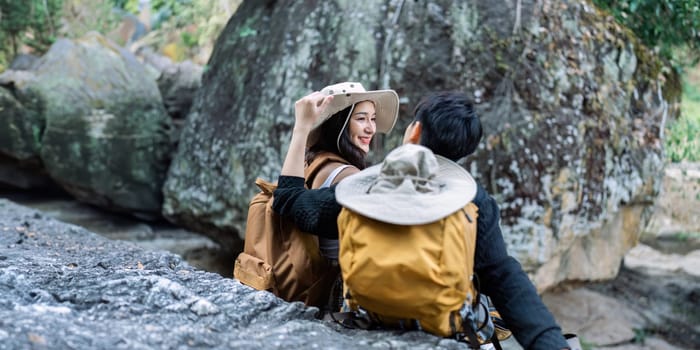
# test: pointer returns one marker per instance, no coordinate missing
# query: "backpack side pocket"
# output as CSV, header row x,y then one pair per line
x,y
254,272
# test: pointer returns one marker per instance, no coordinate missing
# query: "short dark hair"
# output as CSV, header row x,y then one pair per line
x,y
328,141
450,125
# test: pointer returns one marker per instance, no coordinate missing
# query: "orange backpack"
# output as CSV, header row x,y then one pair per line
x,y
278,256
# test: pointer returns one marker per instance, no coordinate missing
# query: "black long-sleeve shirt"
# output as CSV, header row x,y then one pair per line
x,y
501,276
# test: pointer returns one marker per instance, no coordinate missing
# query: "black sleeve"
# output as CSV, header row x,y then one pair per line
x,y
314,211
502,278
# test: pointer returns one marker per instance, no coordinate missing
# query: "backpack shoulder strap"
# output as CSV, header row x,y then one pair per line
x,y
318,163
333,175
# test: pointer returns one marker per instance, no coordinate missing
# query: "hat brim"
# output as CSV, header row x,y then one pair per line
x,y
386,106
459,188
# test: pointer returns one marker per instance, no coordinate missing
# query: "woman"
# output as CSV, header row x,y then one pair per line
x,y
337,147
341,137
281,258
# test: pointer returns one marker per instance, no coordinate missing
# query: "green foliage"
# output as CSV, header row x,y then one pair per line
x,y
682,143
29,22
687,236
683,138
15,17
188,39
173,5
187,29
668,25
178,9
126,5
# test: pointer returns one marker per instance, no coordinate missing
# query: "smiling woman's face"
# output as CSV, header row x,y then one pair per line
x,y
362,125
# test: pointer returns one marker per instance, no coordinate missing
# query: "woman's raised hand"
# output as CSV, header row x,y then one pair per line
x,y
308,109
306,112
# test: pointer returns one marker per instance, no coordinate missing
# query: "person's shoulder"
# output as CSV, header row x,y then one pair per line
x,y
481,197
484,201
347,171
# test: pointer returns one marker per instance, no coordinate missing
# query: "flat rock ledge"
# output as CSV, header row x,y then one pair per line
x,y
64,287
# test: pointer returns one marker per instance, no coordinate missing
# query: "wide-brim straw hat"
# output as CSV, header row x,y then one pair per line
x,y
412,186
386,105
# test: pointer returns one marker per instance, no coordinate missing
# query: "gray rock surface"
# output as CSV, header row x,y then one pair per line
x,y
23,61
677,210
178,84
63,287
177,81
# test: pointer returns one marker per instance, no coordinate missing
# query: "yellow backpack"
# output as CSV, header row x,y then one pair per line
x,y
414,277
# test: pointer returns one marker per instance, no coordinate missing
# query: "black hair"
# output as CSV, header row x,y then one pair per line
x,y
328,141
450,126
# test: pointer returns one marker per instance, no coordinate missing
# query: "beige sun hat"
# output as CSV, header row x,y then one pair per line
x,y
412,186
386,105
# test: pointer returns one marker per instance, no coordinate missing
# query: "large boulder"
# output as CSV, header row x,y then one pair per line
x,y
21,127
575,110
63,287
20,134
106,137
23,61
178,81
178,84
573,107
25,175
